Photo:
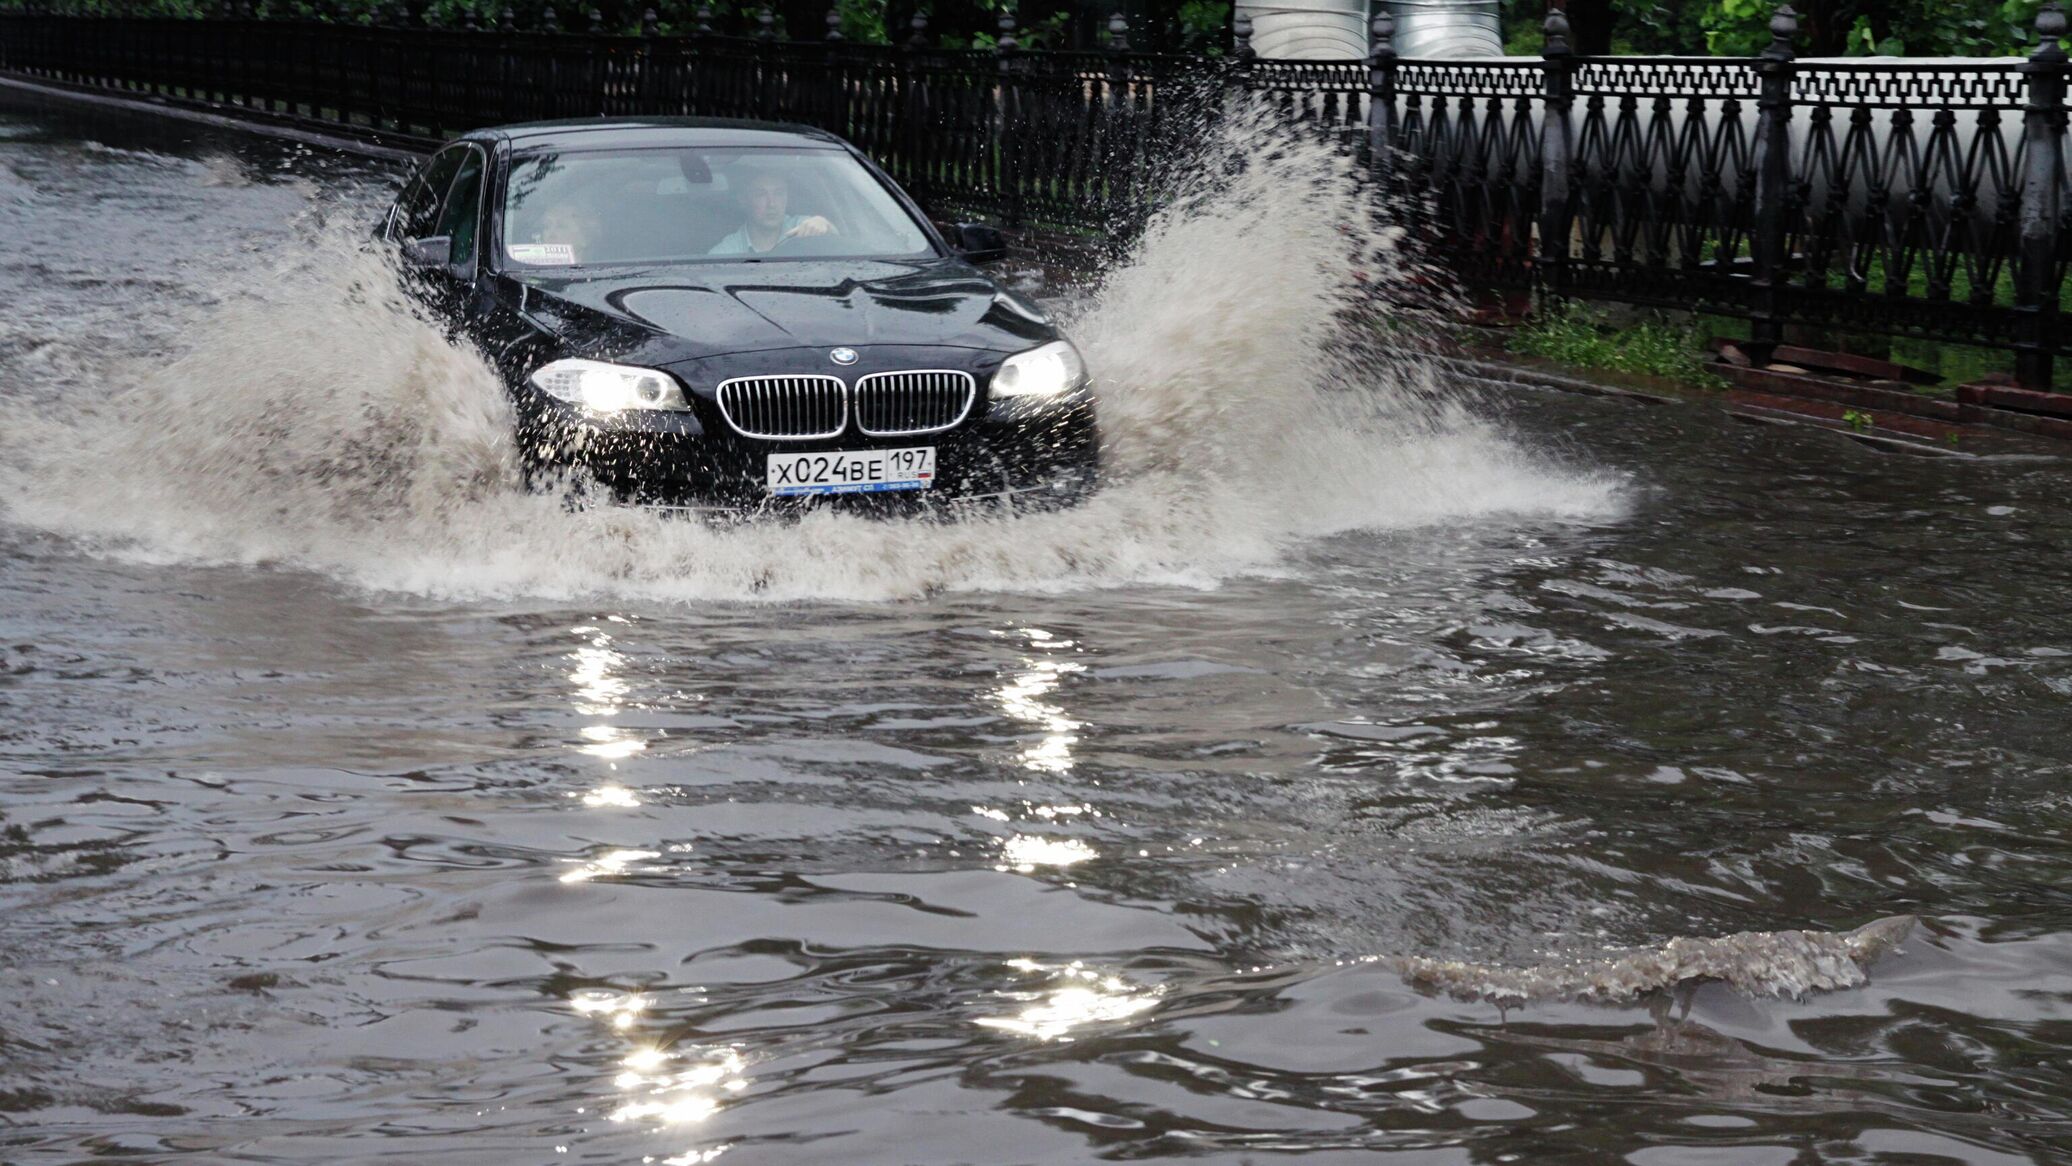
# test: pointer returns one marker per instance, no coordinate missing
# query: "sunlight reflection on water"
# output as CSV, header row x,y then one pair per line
x,y
1076,997
1022,698
611,862
665,1087
1026,852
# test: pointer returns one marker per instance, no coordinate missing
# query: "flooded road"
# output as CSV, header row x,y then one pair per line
x,y
359,808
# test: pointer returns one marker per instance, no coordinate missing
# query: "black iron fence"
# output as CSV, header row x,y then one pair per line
x,y
1061,138
1921,199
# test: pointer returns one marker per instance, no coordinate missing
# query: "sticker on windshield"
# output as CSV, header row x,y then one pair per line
x,y
542,253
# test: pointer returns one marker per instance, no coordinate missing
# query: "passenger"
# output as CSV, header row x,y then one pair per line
x,y
571,225
763,195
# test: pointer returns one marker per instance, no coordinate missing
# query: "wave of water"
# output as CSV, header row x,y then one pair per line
x,y
314,420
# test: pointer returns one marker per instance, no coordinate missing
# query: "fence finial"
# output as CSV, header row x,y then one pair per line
x,y
765,23
919,37
1005,42
1381,95
596,21
650,22
1556,30
834,23
550,21
1118,33
1241,35
1382,43
704,25
2050,29
468,22
503,19
1784,25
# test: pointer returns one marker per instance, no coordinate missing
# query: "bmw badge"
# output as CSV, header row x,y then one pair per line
x,y
843,356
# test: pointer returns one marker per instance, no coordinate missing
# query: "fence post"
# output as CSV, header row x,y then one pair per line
x,y
698,61
1240,80
550,46
1007,120
506,48
1381,99
1772,182
248,30
1118,138
597,65
2043,181
835,119
765,67
648,79
914,110
1556,142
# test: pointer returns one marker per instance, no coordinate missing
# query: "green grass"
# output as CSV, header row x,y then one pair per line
x,y
1576,335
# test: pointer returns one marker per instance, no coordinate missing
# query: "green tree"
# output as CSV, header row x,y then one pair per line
x,y
1827,28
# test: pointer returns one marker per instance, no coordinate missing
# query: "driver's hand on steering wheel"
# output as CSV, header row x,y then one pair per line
x,y
809,226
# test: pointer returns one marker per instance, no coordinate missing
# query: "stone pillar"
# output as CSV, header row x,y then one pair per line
x,y
1306,30
1296,30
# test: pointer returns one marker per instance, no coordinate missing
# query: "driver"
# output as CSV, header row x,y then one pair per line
x,y
763,195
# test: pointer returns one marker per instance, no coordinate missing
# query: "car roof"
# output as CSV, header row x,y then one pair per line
x,y
602,133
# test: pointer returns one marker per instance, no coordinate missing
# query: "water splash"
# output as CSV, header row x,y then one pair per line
x,y
1756,963
316,421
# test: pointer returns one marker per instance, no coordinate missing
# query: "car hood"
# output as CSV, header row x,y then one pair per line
x,y
664,315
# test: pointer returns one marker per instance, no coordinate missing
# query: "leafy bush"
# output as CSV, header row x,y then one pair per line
x,y
1827,28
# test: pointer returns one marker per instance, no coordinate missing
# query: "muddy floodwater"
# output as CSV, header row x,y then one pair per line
x,y
1320,789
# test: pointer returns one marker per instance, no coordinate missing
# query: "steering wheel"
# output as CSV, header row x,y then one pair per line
x,y
807,244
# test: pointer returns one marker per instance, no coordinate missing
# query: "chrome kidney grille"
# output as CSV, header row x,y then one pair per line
x,y
900,404
810,408
785,408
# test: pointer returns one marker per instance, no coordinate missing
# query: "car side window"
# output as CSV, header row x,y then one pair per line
x,y
418,210
463,208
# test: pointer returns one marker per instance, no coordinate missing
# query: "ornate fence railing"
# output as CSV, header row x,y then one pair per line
x,y
1921,199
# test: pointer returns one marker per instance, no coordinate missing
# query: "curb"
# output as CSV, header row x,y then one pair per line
x,y
1499,374
1746,408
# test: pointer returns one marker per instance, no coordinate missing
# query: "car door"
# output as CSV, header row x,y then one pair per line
x,y
460,222
417,209
437,224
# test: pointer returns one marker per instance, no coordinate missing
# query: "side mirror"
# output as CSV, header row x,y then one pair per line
x,y
978,243
430,251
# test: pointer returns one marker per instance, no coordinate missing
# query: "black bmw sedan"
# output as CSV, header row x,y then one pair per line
x,y
694,312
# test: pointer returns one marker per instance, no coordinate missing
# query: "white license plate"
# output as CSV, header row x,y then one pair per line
x,y
860,471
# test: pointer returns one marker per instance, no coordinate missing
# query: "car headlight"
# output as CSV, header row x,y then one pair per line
x,y
608,388
1040,372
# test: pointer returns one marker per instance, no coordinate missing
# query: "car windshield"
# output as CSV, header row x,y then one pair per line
x,y
700,204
